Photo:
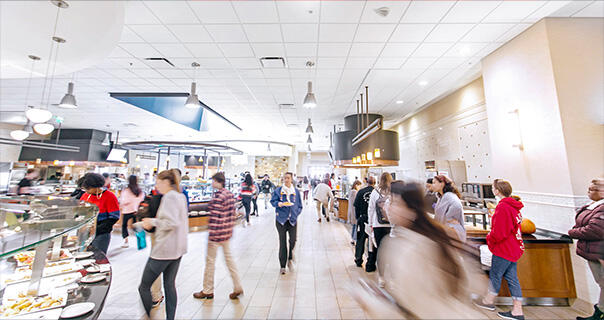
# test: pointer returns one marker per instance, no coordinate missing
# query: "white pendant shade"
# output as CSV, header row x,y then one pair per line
x,y
43,128
19,134
37,115
310,101
69,100
193,101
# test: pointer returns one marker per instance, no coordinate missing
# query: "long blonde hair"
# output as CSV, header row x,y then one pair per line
x,y
172,175
385,181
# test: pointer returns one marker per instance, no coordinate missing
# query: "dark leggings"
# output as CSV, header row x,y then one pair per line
x,y
255,203
379,234
246,201
305,195
284,253
153,269
125,218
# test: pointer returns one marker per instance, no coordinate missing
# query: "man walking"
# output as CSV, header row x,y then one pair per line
x,y
222,220
361,204
267,187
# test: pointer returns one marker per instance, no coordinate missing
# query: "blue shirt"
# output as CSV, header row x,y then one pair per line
x,y
287,213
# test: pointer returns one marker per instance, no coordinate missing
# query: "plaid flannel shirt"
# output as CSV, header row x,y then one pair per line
x,y
222,215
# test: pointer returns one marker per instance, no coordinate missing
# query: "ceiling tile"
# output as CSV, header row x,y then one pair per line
x,y
334,49
486,32
337,32
360,62
298,62
204,50
331,63
177,12
298,11
448,63
549,9
172,50
594,10
227,32
154,33
300,32
173,73
250,73
419,62
245,63
138,13
399,49
140,50
147,73
129,36
465,49
214,11
118,52
341,11
567,10
396,11
426,11
513,11
388,63
268,49
411,32
448,32
276,73
374,32
263,32
513,32
190,33
256,11
301,49
236,50
366,49
469,11
431,49
214,63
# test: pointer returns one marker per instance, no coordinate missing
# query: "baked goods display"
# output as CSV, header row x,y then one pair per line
x,y
17,306
26,258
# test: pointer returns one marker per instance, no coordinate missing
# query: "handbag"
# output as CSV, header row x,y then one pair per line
x,y
141,240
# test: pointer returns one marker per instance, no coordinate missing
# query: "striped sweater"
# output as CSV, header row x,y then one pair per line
x,y
222,215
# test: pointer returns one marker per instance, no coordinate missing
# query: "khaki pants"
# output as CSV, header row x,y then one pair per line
x,y
325,205
208,276
156,293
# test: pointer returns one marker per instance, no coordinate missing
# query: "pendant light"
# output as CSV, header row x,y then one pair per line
x,y
69,100
43,128
107,140
268,148
310,101
193,100
309,127
309,140
19,134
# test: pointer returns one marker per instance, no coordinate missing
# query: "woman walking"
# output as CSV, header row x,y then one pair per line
x,y
248,189
356,185
288,206
130,199
109,209
305,187
448,209
378,220
505,242
171,229
589,230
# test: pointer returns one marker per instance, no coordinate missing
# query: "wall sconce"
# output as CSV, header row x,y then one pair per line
x,y
56,162
369,156
376,153
515,132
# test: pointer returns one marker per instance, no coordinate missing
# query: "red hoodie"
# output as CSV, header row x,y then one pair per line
x,y
505,238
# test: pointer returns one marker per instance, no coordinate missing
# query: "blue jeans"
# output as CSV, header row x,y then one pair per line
x,y
101,242
354,232
502,268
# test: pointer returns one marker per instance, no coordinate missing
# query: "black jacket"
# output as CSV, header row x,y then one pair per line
x,y
267,186
361,204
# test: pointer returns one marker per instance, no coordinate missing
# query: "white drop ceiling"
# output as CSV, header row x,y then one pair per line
x,y
438,43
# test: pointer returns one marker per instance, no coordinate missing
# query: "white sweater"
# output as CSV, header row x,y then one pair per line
x,y
371,211
171,227
323,193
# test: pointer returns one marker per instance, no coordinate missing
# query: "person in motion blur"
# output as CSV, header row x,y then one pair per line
x,y
430,197
288,206
589,230
222,220
186,176
361,206
305,187
171,230
378,220
255,199
448,209
267,188
416,246
505,242
246,193
23,187
107,177
323,196
109,209
130,199
356,185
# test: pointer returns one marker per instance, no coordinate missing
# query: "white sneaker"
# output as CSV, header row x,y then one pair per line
x,y
283,271
290,265
125,244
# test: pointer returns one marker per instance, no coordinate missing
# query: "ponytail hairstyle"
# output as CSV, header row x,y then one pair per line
x,y
449,185
133,185
172,175
385,181
505,188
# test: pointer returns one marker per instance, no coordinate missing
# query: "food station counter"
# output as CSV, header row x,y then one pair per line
x,y
45,272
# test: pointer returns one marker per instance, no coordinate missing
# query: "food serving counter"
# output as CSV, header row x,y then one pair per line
x,y
45,272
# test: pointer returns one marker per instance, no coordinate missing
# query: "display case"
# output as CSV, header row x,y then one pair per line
x,y
44,268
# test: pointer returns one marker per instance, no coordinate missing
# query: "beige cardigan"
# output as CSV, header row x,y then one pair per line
x,y
171,227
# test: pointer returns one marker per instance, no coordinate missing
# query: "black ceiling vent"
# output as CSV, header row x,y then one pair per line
x,y
160,61
272,62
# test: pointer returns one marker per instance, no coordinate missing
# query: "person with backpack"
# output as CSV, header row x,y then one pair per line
x,y
222,221
248,189
377,219
361,205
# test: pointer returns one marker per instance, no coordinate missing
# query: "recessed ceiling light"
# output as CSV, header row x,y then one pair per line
x,y
399,101
423,83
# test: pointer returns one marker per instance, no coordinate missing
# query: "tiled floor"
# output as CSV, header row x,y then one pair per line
x,y
317,288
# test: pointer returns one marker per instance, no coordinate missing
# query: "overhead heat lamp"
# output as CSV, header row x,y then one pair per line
x,y
69,100
310,101
309,127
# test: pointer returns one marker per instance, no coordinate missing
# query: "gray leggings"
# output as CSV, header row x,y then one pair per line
x,y
153,269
